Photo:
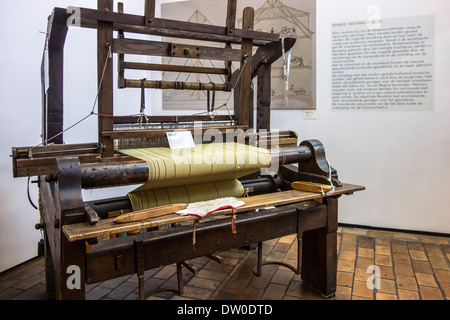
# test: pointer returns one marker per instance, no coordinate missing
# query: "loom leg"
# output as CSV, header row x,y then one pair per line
x,y
71,274
319,261
50,280
180,278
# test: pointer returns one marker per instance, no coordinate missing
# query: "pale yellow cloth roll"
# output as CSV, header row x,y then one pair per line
x,y
150,198
203,163
204,172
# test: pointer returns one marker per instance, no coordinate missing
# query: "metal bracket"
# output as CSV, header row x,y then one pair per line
x,y
184,51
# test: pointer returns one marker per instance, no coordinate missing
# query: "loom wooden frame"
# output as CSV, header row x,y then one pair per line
x,y
64,170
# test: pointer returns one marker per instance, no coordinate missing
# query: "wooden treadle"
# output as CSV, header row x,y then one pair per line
x,y
106,227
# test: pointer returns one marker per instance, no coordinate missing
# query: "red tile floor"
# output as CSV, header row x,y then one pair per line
x,y
411,267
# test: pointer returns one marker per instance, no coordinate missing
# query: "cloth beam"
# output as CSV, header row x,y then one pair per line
x,y
205,172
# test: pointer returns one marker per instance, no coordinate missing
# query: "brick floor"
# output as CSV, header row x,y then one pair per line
x,y
410,266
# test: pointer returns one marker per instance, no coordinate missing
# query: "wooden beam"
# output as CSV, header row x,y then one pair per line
x,y
177,33
82,231
152,133
173,68
231,17
263,98
177,85
135,20
246,70
158,48
149,13
105,76
121,57
268,53
175,119
53,106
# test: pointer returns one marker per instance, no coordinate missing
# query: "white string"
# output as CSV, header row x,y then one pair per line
x,y
285,71
329,179
233,89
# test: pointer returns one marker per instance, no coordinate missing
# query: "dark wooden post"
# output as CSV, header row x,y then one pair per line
x,y
61,203
245,100
319,258
71,210
149,13
121,57
231,17
53,108
263,98
231,25
105,97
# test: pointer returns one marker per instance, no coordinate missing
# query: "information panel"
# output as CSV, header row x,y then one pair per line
x,y
383,65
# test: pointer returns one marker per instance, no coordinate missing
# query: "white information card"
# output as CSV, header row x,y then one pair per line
x,y
180,139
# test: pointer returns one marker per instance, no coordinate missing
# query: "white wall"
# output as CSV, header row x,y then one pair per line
x,y
401,157
21,22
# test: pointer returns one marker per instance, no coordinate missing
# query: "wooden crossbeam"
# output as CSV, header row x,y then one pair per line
x,y
175,119
152,133
89,15
177,85
157,48
173,68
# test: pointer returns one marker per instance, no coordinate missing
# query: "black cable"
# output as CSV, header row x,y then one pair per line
x,y
28,192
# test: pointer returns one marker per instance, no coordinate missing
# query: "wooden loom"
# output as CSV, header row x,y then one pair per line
x,y
78,233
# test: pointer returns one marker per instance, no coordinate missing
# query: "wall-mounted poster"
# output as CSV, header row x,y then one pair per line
x,y
289,18
383,65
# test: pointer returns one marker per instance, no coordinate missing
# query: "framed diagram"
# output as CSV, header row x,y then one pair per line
x,y
288,18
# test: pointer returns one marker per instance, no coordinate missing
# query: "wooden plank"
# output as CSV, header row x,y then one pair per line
x,y
173,68
175,119
159,48
45,166
269,53
173,33
54,149
140,47
106,227
203,28
50,161
136,20
310,186
181,34
211,237
282,143
40,163
151,133
150,213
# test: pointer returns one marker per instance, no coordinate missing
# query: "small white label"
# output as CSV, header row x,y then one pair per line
x,y
180,139
310,114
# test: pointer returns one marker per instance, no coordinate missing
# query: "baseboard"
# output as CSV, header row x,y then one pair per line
x,y
427,233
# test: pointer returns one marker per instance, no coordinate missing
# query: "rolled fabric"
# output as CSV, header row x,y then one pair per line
x,y
143,199
203,163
